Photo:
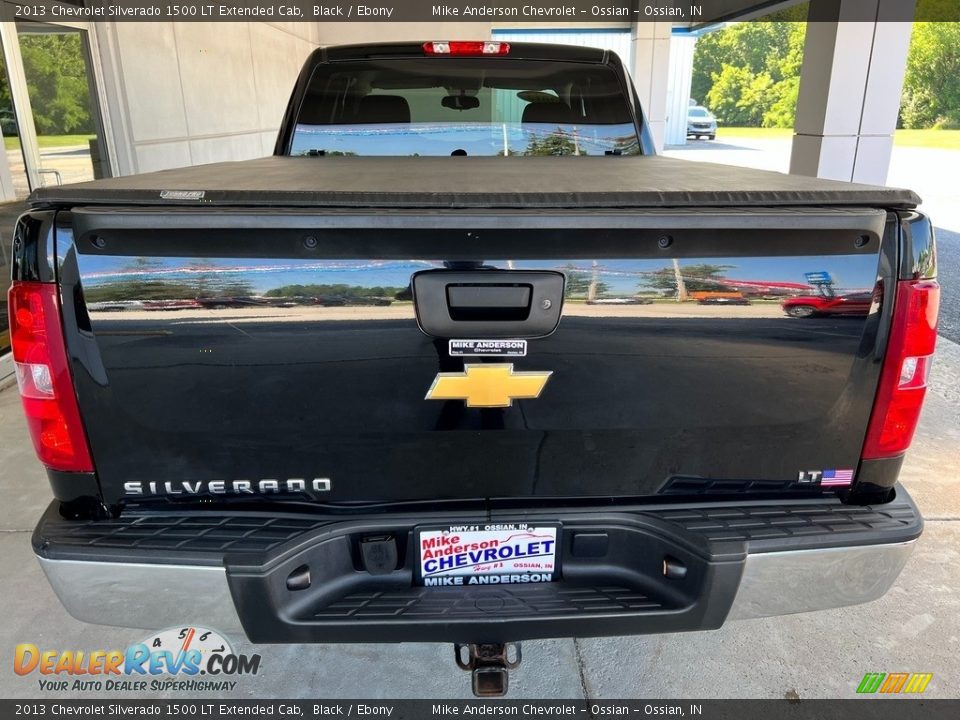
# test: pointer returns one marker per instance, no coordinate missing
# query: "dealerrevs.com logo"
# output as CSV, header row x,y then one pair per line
x,y
184,659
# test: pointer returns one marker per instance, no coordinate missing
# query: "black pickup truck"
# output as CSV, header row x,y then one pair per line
x,y
437,371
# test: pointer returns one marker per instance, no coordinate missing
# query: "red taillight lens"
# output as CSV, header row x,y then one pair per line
x,y
43,375
903,379
466,47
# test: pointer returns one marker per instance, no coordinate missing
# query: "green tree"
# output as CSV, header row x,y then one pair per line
x,y
203,282
697,277
136,285
931,85
724,97
782,112
740,97
748,74
936,10
57,83
556,143
578,283
335,290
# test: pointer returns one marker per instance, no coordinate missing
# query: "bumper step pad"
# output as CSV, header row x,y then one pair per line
x,y
518,601
665,568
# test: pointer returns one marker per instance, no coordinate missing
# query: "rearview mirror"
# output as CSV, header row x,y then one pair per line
x,y
460,102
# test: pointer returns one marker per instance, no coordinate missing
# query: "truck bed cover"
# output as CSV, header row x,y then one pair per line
x,y
471,182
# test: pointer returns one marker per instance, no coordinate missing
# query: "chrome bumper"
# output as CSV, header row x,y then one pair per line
x,y
145,596
796,581
157,596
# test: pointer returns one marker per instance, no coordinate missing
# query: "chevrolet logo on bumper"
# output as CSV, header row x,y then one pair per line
x,y
488,385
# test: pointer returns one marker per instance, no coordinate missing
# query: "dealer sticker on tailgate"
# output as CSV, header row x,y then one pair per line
x,y
495,554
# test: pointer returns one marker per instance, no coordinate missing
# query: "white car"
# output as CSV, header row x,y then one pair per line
x,y
701,123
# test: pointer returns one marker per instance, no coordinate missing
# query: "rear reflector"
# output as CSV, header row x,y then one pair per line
x,y
43,375
903,379
466,47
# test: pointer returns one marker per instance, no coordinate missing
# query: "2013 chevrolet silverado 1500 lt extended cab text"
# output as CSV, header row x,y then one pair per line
x,y
435,371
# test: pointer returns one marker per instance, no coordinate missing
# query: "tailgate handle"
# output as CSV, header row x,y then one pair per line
x,y
488,303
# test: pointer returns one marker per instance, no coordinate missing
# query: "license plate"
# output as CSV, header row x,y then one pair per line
x,y
487,554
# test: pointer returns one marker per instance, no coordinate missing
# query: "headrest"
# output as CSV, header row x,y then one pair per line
x,y
383,109
547,112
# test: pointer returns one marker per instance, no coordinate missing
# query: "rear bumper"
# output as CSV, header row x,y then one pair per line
x,y
229,572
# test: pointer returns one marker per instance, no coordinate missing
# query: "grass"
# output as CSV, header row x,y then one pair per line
x,y
939,139
49,141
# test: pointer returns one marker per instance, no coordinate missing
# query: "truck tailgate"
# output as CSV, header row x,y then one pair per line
x,y
278,354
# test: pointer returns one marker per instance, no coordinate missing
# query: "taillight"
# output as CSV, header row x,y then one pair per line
x,y
903,379
466,47
43,375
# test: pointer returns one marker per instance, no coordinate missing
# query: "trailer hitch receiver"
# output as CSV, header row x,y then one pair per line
x,y
490,664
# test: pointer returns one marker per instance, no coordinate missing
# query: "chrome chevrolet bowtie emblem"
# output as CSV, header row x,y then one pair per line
x,y
488,385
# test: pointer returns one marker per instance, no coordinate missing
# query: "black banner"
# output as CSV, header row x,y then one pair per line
x,y
201,709
541,12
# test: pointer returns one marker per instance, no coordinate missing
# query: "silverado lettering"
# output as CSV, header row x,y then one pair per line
x,y
216,487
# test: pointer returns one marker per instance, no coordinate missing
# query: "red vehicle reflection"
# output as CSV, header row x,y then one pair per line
x,y
813,305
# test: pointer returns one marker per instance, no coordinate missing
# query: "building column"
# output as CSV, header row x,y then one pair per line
x,y
651,72
682,49
850,87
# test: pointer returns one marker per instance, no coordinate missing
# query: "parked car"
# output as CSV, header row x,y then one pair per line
x,y
8,123
719,297
701,123
723,300
812,305
330,480
621,301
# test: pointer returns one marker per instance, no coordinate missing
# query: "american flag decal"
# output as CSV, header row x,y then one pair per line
x,y
836,478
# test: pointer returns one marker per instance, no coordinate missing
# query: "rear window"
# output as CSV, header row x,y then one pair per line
x,y
464,106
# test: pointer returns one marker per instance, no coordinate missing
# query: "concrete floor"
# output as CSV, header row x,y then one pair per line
x,y
71,162
914,628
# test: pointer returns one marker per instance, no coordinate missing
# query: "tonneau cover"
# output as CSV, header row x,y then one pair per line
x,y
471,182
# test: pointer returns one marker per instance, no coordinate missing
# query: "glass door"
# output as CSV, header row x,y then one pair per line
x,y
50,120
14,184
67,145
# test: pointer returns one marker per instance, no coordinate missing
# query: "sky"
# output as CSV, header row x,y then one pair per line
x,y
438,139
850,272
